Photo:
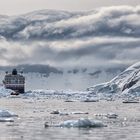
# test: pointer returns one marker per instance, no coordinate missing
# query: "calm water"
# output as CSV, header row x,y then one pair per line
x,y
35,132
31,127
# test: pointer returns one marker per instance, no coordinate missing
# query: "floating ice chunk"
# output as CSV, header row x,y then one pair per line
x,y
55,112
64,113
3,119
68,113
79,112
100,115
6,116
69,100
90,100
6,113
74,113
112,115
81,123
131,101
59,112
108,115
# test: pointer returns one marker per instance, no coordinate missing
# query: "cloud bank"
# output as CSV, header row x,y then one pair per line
x,y
105,37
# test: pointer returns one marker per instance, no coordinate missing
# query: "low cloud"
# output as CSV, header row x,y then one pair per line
x,y
100,38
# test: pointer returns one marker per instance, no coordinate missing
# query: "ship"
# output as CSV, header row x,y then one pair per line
x,y
15,81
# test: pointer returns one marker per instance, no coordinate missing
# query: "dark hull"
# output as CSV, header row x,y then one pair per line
x,y
16,89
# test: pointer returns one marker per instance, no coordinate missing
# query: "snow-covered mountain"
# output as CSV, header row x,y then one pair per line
x,y
128,82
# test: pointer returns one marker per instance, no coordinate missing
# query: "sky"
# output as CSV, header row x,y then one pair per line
x,y
15,7
104,37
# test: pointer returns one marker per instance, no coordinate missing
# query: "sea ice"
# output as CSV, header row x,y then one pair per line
x,y
90,100
6,113
112,115
68,113
108,115
81,123
6,119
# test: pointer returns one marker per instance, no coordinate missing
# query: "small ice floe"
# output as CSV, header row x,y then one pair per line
x,y
73,113
100,115
63,113
108,115
6,116
80,123
59,112
6,113
111,115
3,119
68,113
55,112
68,101
90,100
79,112
131,100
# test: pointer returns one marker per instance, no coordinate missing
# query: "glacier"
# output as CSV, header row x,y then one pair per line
x,y
126,83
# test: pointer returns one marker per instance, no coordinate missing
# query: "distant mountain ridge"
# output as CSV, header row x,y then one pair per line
x,y
38,68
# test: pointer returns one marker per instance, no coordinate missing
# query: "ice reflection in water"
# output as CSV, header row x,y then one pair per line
x,y
34,130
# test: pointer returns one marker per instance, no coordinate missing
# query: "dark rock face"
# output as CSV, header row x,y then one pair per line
x,y
129,85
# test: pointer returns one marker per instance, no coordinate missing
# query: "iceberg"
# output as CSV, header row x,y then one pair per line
x,y
80,123
124,85
7,114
